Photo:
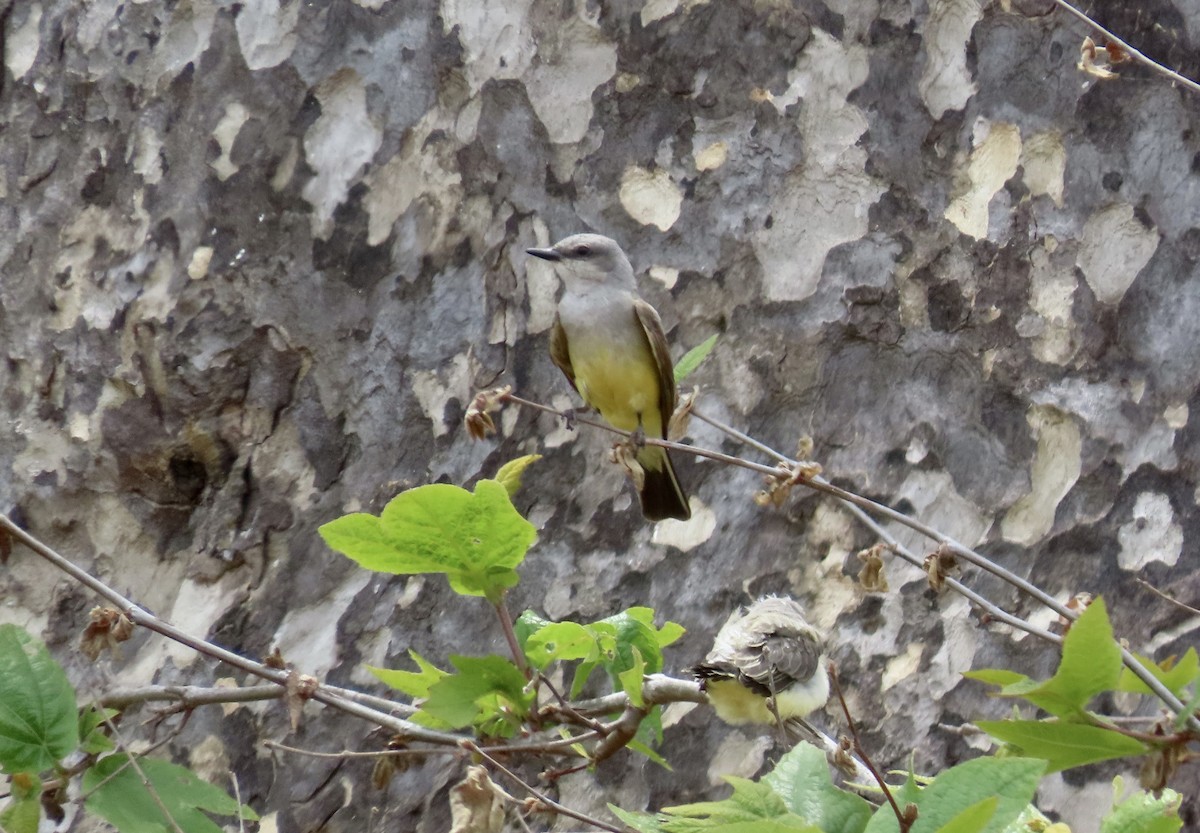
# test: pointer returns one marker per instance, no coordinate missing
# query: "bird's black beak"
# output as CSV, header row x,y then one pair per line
x,y
544,254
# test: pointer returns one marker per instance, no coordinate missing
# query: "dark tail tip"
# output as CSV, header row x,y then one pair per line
x,y
662,497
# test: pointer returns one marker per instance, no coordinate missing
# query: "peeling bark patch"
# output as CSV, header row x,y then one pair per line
x,y
651,197
340,142
573,60
424,171
1044,160
1115,248
992,163
1051,299
689,534
225,134
826,202
266,32
946,83
1152,534
22,42
495,35
1056,467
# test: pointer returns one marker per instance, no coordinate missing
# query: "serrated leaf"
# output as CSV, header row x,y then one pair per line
x,y
1144,813
692,358
91,730
1091,663
996,676
38,721
118,796
642,822
559,641
360,537
24,806
801,779
631,680
510,473
1063,744
753,808
634,628
973,819
487,692
1175,675
476,539
1012,780
413,683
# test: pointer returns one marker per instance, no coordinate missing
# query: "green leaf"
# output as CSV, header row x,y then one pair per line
x,y
753,808
610,644
91,730
38,722
1013,781
24,809
413,683
475,538
634,628
642,822
1174,675
1144,813
559,641
631,680
510,473
487,692
974,819
1091,663
1064,745
692,358
359,536
801,779
527,624
119,797
996,676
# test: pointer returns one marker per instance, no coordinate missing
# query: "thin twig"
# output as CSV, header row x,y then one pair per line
x,y
188,696
378,753
538,794
901,819
1167,598
741,437
564,707
131,760
967,554
510,635
139,616
1133,53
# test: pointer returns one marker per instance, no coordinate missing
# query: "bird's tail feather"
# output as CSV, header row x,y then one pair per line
x,y
662,497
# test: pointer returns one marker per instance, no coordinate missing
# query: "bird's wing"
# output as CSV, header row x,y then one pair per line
x,y
559,354
652,327
789,655
767,663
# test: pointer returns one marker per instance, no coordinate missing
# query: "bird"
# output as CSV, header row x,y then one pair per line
x,y
610,345
767,665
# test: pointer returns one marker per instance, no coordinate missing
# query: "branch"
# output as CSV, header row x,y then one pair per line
x,y
540,796
789,469
1133,53
188,697
139,616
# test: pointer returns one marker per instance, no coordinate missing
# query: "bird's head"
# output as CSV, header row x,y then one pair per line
x,y
588,259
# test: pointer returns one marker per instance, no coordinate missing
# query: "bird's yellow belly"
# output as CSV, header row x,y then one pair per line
x,y
621,384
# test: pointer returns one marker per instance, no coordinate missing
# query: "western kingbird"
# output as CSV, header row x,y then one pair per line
x,y
767,664
610,345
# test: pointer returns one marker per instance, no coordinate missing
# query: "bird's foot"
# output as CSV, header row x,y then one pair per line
x,y
624,454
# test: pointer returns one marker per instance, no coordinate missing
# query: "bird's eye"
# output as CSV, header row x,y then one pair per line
x,y
582,251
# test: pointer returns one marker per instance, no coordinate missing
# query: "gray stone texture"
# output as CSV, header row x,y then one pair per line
x,y
256,258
